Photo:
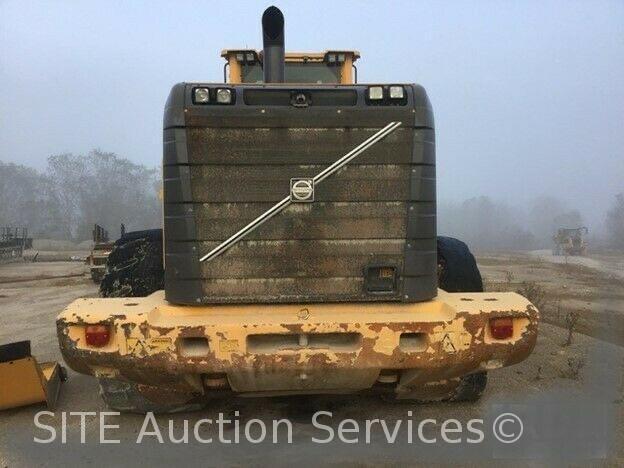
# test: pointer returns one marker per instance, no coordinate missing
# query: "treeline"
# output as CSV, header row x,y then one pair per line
x,y
76,191
488,224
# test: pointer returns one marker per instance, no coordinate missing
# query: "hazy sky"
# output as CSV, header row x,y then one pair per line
x,y
528,96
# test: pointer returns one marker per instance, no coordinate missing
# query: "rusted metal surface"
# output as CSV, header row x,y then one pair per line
x,y
224,165
317,145
426,345
301,190
288,259
378,210
351,220
248,184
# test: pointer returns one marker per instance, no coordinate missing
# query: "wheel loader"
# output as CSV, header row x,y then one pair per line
x,y
299,248
570,241
102,247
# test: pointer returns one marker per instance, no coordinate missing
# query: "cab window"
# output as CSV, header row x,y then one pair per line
x,y
296,72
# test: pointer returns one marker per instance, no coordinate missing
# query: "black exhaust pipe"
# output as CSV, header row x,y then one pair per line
x,y
273,45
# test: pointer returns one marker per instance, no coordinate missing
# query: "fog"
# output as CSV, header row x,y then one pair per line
x,y
528,97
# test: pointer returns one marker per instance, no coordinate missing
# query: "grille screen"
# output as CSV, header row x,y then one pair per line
x,y
375,216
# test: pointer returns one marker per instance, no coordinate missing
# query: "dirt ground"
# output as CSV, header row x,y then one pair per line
x,y
570,397
585,293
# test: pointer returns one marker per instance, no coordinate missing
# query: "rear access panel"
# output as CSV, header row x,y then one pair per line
x,y
367,233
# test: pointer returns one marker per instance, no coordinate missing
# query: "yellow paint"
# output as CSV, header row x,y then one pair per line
x,y
20,384
135,346
235,70
160,345
25,382
228,346
229,325
346,68
146,334
346,72
447,343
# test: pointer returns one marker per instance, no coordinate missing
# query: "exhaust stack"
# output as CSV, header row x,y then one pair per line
x,y
273,45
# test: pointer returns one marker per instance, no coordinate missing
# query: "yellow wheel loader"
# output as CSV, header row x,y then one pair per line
x,y
300,251
570,241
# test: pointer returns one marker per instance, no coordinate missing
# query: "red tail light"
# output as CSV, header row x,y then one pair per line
x,y
501,328
97,335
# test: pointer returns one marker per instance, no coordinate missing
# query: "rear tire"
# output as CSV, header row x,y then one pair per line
x,y
126,397
135,266
470,388
457,267
458,272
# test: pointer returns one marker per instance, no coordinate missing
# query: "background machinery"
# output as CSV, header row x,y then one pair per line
x,y
570,241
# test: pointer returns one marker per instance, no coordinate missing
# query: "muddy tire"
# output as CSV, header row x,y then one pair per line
x,y
458,272
457,267
126,397
470,388
135,266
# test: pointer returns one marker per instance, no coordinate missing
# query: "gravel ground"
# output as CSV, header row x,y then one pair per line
x,y
569,399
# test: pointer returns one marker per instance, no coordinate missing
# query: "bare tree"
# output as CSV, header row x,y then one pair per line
x,y
572,318
27,199
486,224
77,191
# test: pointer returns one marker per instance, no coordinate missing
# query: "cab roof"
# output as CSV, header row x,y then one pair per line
x,y
296,56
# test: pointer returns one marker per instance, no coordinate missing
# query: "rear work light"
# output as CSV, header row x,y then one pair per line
x,y
501,328
201,95
97,336
375,93
224,96
397,92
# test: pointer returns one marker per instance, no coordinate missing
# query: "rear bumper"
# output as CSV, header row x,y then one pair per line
x,y
294,348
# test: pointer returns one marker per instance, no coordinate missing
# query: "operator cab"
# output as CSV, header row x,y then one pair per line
x,y
329,67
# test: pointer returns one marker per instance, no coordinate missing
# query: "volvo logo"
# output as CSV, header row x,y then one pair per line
x,y
302,190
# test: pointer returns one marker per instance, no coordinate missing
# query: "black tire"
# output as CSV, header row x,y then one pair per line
x,y
457,267
126,397
470,388
134,269
153,235
135,266
458,272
